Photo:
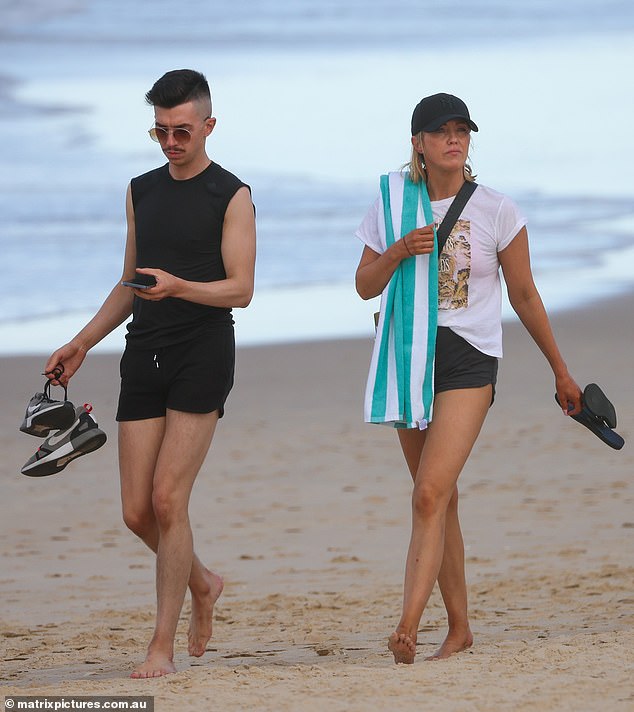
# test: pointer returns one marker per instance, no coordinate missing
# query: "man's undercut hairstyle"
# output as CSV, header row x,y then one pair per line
x,y
179,87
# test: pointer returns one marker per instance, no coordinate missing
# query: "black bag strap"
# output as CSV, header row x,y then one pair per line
x,y
455,209
446,226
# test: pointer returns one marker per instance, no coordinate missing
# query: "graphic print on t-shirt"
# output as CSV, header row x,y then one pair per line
x,y
454,268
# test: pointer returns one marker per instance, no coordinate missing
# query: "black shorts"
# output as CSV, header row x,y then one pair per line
x,y
195,377
460,365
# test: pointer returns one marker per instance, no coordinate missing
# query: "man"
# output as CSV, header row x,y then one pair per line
x,y
191,233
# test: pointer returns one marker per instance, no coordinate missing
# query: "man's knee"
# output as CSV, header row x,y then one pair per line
x,y
139,520
168,506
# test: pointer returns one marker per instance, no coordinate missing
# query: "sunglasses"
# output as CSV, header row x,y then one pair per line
x,y
160,134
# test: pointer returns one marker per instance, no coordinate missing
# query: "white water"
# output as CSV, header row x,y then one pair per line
x,y
309,127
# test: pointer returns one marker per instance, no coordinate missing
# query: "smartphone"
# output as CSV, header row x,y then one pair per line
x,y
141,281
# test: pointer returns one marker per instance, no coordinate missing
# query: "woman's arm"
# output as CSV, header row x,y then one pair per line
x,y
375,270
527,304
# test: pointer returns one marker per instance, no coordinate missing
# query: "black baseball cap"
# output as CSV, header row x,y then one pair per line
x,y
434,111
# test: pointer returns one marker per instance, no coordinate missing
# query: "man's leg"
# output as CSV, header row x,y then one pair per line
x,y
458,418
156,485
139,445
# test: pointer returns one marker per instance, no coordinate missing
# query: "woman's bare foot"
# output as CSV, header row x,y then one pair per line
x,y
403,647
201,622
453,643
154,665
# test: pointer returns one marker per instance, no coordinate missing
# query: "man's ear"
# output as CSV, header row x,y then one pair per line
x,y
209,125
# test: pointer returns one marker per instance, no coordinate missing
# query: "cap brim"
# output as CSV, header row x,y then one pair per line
x,y
437,123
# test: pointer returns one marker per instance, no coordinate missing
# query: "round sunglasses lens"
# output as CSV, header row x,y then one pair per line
x,y
160,135
181,135
157,135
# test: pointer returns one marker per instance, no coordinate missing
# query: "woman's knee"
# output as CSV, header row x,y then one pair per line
x,y
430,499
453,500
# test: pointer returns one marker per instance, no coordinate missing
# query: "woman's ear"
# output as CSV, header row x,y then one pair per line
x,y
417,143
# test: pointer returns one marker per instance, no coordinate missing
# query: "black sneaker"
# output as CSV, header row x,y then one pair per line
x,y
43,414
80,438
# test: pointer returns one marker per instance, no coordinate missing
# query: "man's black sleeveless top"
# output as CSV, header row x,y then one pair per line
x,y
178,225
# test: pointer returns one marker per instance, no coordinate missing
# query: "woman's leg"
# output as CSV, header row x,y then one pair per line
x,y
453,586
458,418
451,579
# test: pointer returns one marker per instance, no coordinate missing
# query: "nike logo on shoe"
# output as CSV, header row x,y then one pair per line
x,y
58,437
44,407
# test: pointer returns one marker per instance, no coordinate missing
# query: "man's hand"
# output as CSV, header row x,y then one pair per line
x,y
167,285
70,357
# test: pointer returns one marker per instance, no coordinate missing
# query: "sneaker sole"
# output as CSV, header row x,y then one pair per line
x,y
41,423
57,460
599,405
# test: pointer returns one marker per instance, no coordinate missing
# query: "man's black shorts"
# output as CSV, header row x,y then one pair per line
x,y
458,364
194,376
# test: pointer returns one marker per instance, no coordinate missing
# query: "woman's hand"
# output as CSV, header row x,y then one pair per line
x,y
419,241
568,393
376,269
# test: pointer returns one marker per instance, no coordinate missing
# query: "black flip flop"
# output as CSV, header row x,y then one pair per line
x,y
598,415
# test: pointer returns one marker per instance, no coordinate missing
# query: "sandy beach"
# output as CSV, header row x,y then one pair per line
x,y
304,510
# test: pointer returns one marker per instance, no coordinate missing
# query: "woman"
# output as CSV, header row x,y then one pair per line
x,y
490,233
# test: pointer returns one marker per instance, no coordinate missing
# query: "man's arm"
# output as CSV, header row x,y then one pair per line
x,y
238,256
116,308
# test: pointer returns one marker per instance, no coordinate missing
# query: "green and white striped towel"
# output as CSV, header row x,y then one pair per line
x,y
399,389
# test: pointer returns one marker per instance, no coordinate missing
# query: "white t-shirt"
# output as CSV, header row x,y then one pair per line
x,y
469,289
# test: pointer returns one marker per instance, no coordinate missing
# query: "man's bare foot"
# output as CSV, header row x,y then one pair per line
x,y
453,643
201,622
403,647
154,665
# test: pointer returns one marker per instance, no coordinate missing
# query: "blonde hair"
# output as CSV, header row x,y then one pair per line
x,y
416,166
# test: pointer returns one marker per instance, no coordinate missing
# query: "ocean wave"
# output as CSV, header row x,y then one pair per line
x,y
298,25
